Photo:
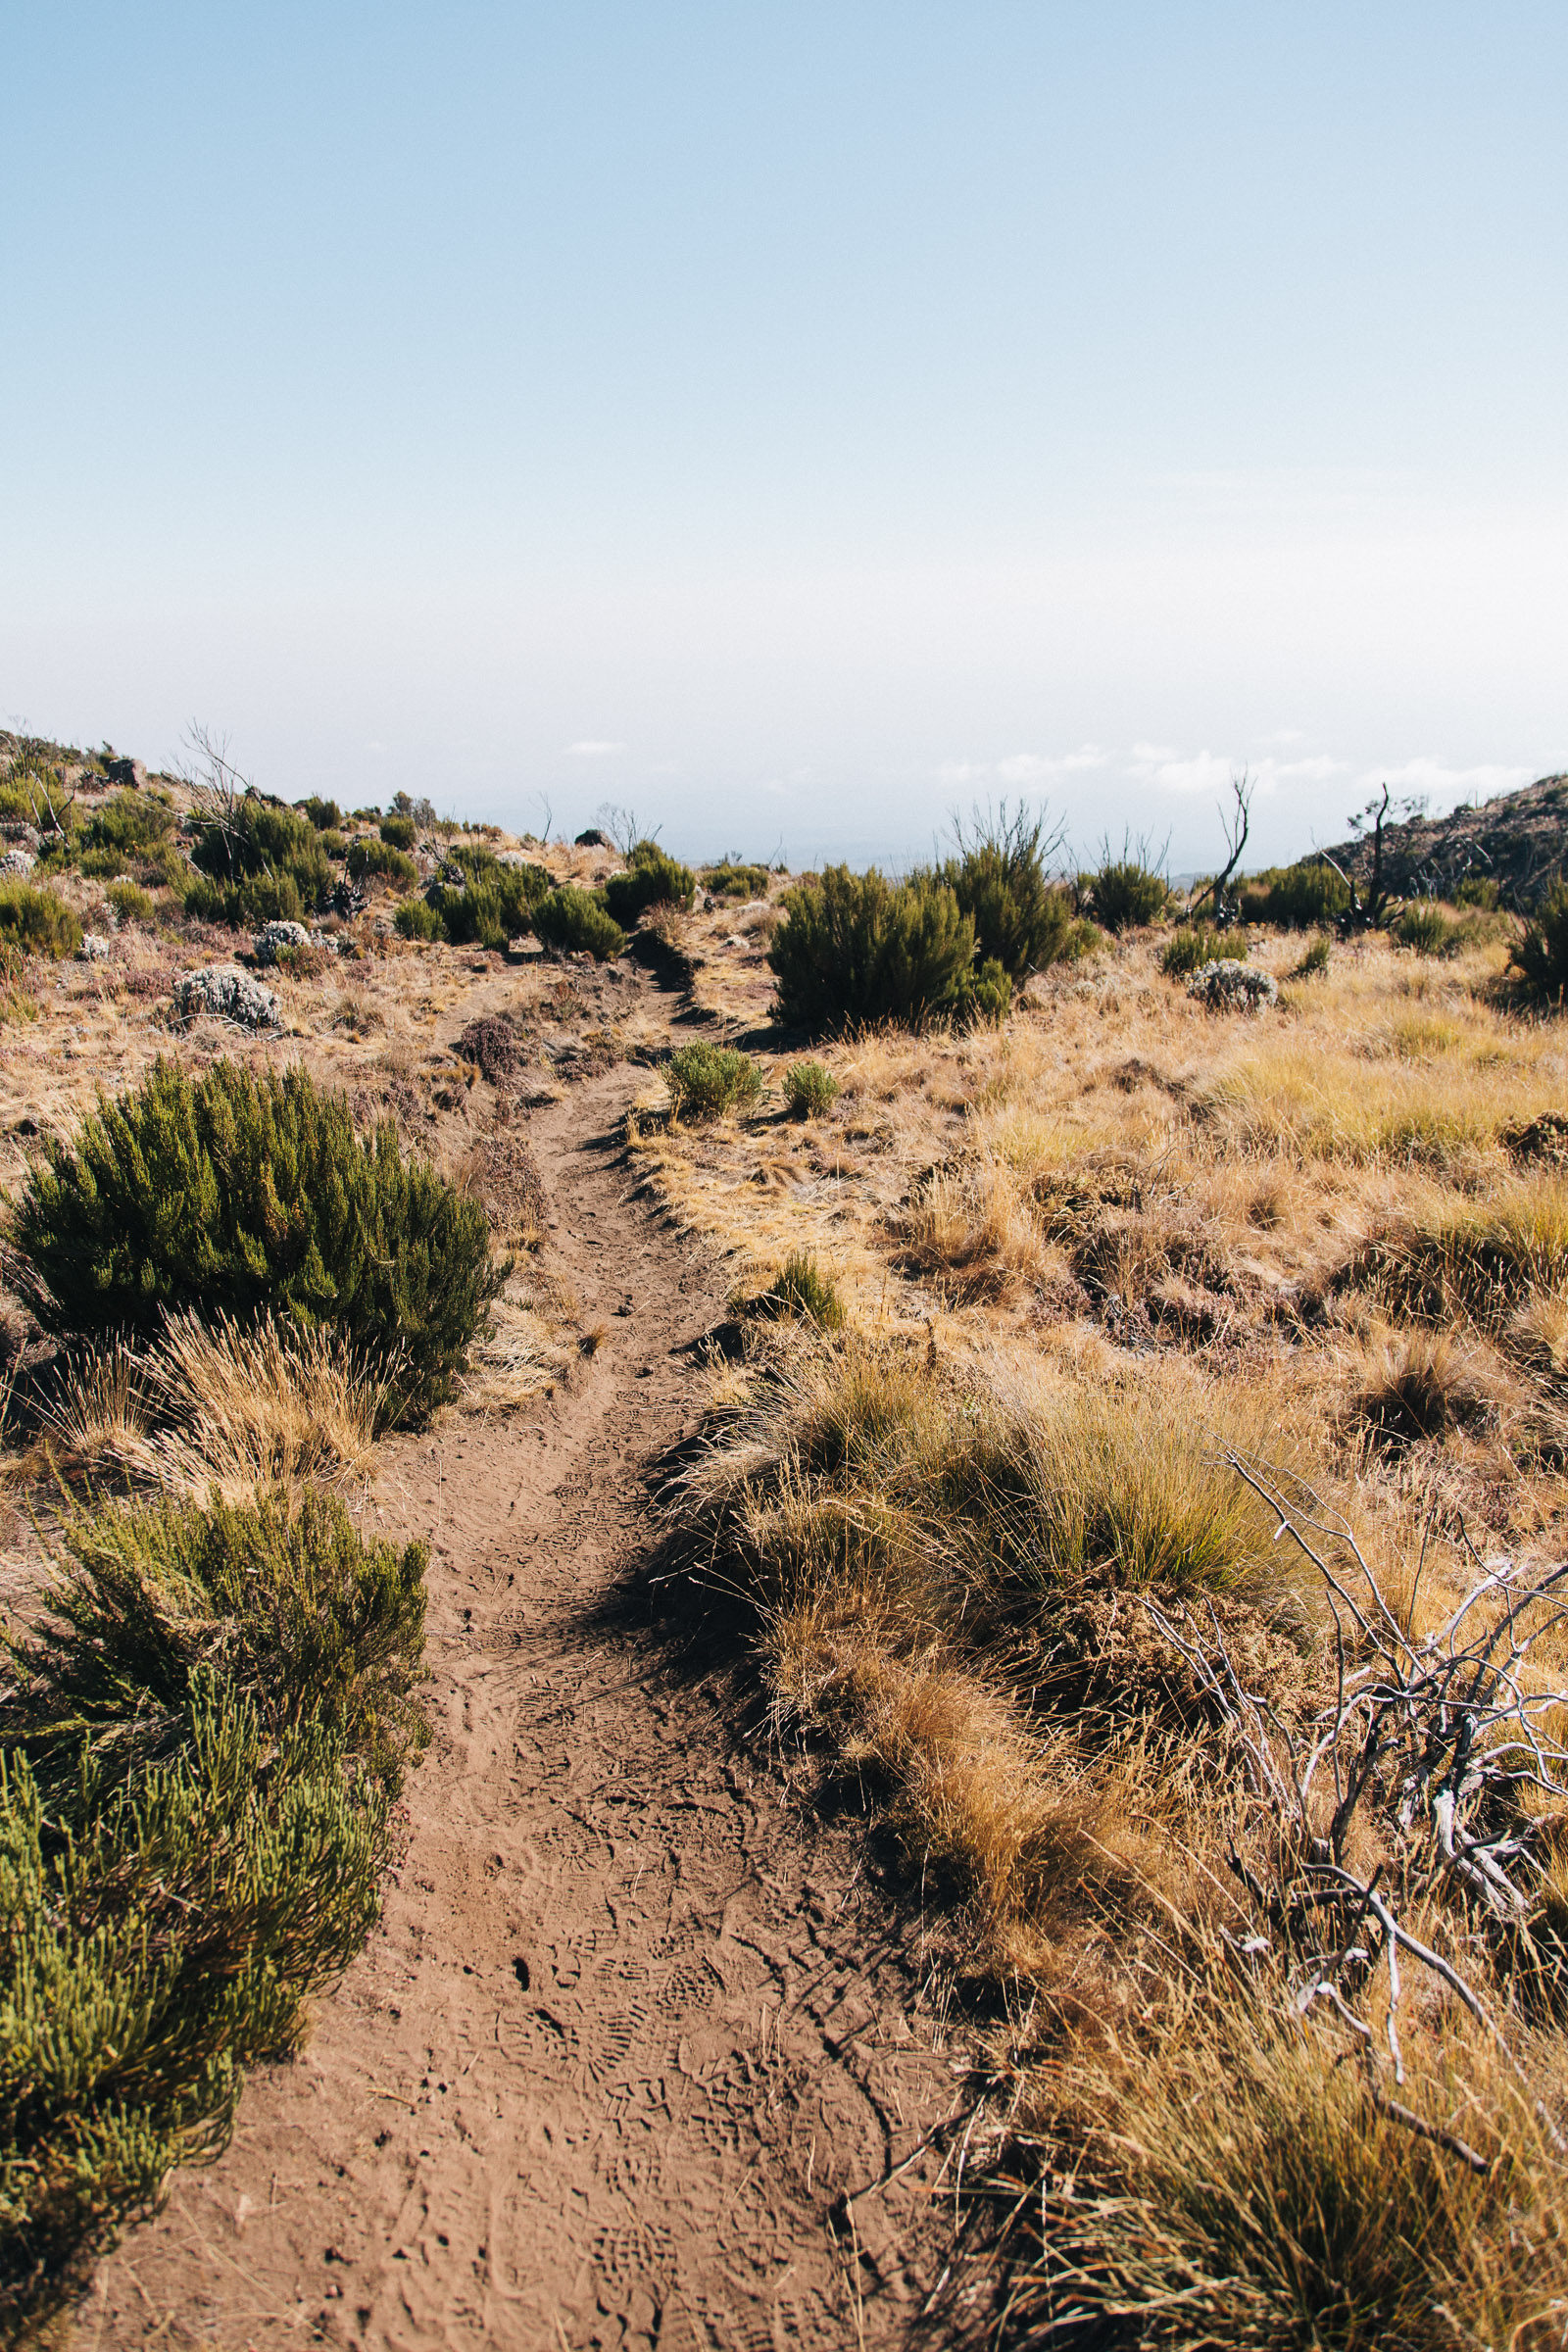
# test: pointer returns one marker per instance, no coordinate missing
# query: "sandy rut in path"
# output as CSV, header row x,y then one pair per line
x,y
630,2024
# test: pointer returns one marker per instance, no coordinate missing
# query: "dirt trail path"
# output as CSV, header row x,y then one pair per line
x,y
631,2021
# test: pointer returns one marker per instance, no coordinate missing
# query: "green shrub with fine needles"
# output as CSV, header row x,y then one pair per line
x,y
1316,958
370,859
1193,945
858,948
730,879
801,1289
652,876
38,921
1023,920
232,1194
810,1089
131,901
493,905
400,832
1127,891
574,922
326,815
198,1754
1304,897
1540,957
418,919
262,862
1426,930
705,1081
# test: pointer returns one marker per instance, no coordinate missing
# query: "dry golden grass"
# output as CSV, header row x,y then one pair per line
x,y
214,1404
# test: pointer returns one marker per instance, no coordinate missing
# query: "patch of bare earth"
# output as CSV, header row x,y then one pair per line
x,y
634,2020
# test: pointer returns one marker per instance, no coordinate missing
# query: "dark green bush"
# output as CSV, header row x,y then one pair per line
x,y
705,1081
129,830
729,879
197,1756
401,831
1023,920
263,864
809,1089
33,794
1193,945
495,902
987,994
1540,957
858,948
1127,892
651,875
38,921
131,901
1478,891
1317,958
369,857
801,1288
325,816
1306,897
1428,930
572,923
230,1194
334,845
416,919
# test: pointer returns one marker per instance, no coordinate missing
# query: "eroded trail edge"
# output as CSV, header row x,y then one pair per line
x,y
633,2018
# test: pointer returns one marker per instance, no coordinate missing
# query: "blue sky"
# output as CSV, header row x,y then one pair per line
x,y
794,421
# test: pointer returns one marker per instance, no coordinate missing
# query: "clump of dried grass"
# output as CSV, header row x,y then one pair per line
x,y
220,1404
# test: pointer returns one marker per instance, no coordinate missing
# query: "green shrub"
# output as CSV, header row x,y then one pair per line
x,y
325,816
1126,892
1540,957
32,794
416,919
200,1746
729,879
1317,958
1023,920
401,831
334,845
16,1000
801,1289
263,864
572,923
133,825
651,875
131,901
369,857
987,994
1478,891
858,948
1193,945
809,1089
705,1081
496,902
230,1193
1428,930
38,921
1305,897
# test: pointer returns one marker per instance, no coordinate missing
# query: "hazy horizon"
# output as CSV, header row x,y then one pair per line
x,y
794,425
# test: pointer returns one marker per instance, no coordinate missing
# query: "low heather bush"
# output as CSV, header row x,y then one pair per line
x,y
707,1081
730,879
1023,920
198,1751
1540,957
858,948
416,919
1128,891
652,875
572,922
325,816
370,859
809,1089
230,1194
37,922
398,832
258,863
1428,930
1298,897
1194,944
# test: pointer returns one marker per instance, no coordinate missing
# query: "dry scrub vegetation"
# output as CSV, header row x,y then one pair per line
x,y
1199,1412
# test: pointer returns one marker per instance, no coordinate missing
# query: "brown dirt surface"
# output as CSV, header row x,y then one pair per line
x,y
636,2017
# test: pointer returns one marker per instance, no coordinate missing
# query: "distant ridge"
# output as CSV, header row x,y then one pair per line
x,y
1519,841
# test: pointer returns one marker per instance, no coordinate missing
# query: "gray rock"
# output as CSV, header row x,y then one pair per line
x,y
18,862
228,995
1229,986
94,947
273,936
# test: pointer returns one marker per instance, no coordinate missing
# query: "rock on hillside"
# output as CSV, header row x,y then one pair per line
x,y
1519,841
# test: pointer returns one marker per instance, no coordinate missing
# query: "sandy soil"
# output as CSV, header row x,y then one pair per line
x,y
636,2017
